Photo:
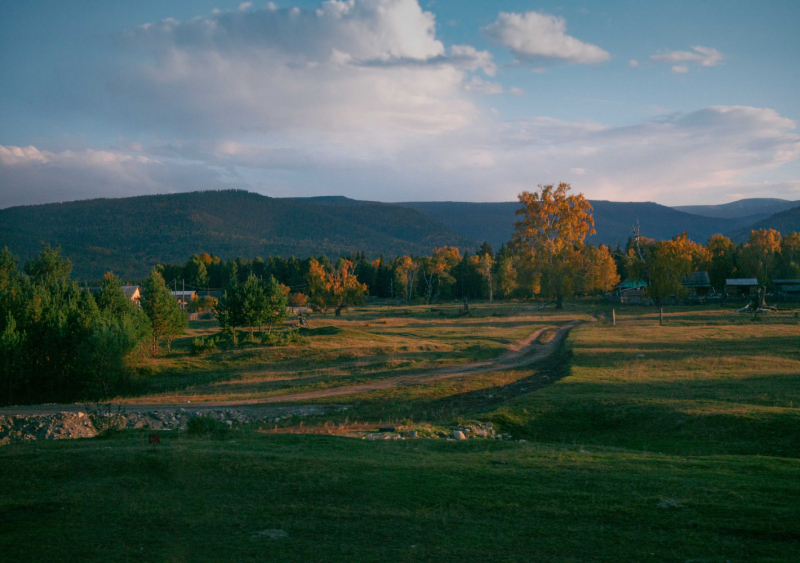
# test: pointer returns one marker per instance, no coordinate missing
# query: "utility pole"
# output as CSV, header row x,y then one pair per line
x,y
613,317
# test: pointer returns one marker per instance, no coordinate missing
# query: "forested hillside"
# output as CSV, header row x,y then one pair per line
x,y
131,235
755,208
784,222
494,222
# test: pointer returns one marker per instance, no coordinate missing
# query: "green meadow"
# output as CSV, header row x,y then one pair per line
x,y
634,442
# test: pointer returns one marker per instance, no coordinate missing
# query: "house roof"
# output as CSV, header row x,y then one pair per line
x,y
182,293
130,290
741,282
697,279
786,282
631,284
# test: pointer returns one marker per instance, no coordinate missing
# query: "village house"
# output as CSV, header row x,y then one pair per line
x,y
698,284
741,287
630,291
132,292
184,297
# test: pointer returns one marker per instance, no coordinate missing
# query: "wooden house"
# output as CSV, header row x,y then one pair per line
x,y
184,297
698,283
741,287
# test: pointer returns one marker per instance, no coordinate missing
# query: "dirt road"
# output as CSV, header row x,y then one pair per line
x,y
525,352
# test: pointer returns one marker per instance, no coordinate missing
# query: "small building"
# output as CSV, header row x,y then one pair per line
x,y
631,291
786,286
698,283
184,297
741,287
132,292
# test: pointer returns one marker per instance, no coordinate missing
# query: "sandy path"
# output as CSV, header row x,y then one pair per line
x,y
524,352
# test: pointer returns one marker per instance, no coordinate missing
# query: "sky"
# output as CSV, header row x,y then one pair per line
x,y
678,102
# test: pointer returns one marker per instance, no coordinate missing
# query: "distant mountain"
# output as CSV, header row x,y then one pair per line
x,y
131,235
494,222
785,222
754,208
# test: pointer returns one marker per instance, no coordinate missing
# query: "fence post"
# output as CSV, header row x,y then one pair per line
x,y
613,317
661,317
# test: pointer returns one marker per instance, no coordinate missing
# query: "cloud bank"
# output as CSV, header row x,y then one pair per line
x,y
540,36
362,98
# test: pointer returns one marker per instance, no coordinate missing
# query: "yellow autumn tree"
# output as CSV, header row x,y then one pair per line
x,y
550,235
483,264
759,255
669,262
436,270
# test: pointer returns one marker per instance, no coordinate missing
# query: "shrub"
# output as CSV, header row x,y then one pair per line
x,y
205,425
202,345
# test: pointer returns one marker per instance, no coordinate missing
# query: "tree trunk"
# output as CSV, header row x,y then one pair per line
x,y
559,301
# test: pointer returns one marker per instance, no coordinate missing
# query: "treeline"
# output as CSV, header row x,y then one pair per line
x,y
61,343
766,256
446,275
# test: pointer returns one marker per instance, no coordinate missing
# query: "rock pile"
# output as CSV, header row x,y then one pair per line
x,y
46,427
62,425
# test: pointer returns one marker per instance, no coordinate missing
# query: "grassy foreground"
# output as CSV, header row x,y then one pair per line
x,y
649,443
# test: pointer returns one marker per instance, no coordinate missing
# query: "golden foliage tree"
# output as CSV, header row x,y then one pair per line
x,y
759,255
483,264
721,252
550,235
669,262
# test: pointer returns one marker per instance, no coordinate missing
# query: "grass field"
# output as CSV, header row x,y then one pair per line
x,y
643,443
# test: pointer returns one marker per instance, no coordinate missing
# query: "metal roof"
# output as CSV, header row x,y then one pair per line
x,y
744,282
628,284
697,279
129,290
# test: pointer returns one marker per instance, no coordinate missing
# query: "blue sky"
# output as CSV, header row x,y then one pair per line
x,y
391,100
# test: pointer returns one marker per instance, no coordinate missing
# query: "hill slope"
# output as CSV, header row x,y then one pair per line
x,y
785,222
131,235
494,222
755,208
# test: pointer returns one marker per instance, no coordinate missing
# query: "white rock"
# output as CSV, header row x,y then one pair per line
x,y
458,435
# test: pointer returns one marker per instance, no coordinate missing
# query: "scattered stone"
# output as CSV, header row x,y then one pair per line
x,y
458,435
670,503
640,355
271,534
383,436
521,441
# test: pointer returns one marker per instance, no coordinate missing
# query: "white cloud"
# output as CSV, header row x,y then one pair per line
x,y
476,84
29,175
633,63
703,56
534,36
700,155
347,66
680,69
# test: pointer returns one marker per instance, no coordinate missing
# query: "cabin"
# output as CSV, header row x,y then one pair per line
x,y
698,283
786,286
741,287
132,292
184,297
631,291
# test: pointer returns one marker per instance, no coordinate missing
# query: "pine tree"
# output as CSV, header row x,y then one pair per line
x,y
166,318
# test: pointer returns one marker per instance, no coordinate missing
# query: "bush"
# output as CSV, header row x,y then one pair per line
x,y
202,345
205,425
281,338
